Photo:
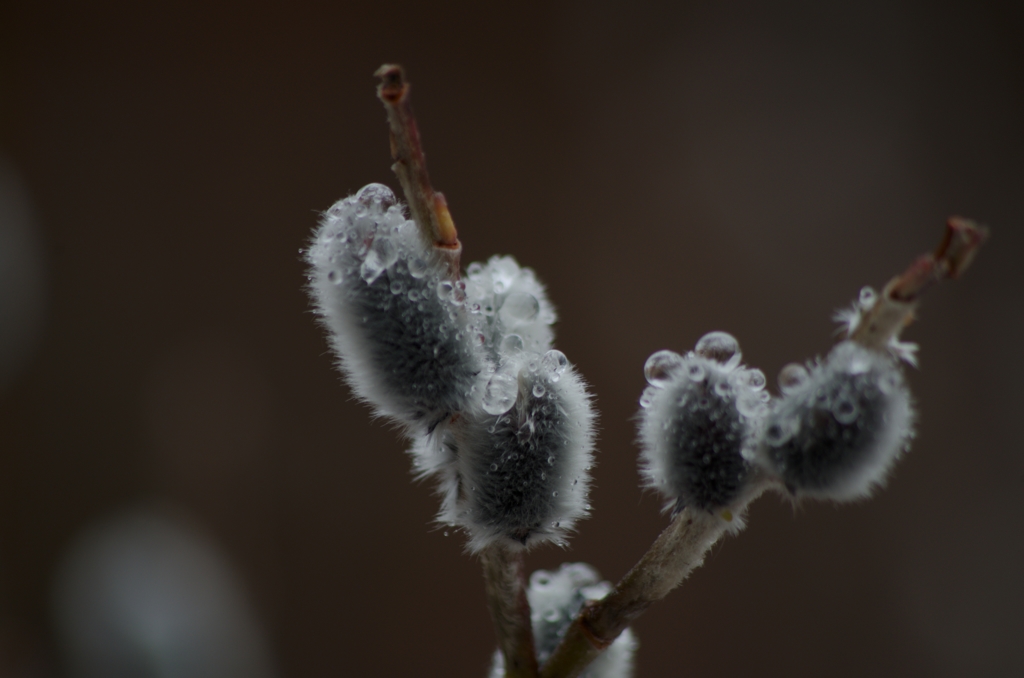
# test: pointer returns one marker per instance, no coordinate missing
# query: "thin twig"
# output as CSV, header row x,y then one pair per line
x,y
894,308
679,550
505,582
428,207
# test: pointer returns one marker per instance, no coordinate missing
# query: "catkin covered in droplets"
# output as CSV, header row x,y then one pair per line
x,y
397,321
840,425
517,468
555,599
700,420
509,307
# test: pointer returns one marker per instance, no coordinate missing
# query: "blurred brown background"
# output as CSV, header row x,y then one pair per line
x,y
668,169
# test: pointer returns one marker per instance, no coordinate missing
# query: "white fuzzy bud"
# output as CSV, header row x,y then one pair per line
x,y
518,471
700,421
840,425
555,600
397,320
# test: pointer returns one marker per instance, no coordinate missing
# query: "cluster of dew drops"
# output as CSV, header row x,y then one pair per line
x,y
502,388
743,385
372,229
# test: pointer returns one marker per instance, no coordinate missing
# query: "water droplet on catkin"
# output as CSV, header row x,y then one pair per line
x,y
721,347
554,363
500,394
417,267
661,366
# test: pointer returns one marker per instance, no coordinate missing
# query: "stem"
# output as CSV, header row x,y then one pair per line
x,y
894,308
427,207
505,581
677,551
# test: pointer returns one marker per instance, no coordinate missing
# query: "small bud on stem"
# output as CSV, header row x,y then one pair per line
x,y
428,208
678,551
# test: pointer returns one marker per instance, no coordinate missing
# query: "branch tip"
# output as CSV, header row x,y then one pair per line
x,y
427,207
895,307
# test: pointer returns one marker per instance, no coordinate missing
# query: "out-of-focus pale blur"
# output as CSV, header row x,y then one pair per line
x,y
143,594
668,169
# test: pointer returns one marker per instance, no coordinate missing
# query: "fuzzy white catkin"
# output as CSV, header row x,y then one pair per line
x,y
700,421
555,600
502,421
397,321
840,425
521,475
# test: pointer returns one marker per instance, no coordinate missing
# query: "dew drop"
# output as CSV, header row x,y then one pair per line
x,y
551,616
554,494
721,347
417,267
662,366
792,377
755,379
867,298
500,394
551,460
538,390
376,195
459,292
696,372
397,287
504,271
845,411
414,295
554,363
475,270
519,307
724,389
645,401
494,467
446,533
511,345
335,277
444,290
